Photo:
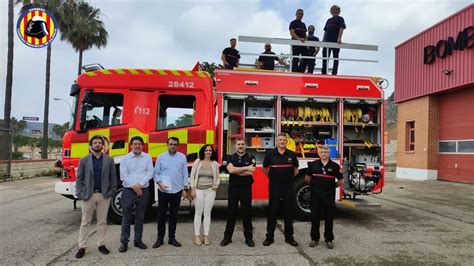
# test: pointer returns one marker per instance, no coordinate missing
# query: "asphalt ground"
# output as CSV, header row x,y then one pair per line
x,y
418,222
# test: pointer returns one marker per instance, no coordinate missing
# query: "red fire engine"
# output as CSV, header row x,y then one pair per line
x,y
344,112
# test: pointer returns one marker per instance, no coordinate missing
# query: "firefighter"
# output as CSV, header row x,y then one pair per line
x,y
298,32
333,33
230,56
268,62
311,50
241,167
280,165
321,175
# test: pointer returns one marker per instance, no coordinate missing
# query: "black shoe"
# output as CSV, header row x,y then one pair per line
x,y
80,253
174,242
123,248
268,242
158,243
292,242
250,242
139,244
225,242
330,245
313,243
103,249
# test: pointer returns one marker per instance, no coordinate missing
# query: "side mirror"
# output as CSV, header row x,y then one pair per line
x,y
84,108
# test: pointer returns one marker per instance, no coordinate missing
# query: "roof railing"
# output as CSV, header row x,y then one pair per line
x,y
282,41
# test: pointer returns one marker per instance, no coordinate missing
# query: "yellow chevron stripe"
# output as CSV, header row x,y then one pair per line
x,y
91,74
188,73
162,72
147,71
119,71
201,74
106,72
133,71
175,72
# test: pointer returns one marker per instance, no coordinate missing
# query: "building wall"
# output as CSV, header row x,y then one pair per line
x,y
418,163
413,78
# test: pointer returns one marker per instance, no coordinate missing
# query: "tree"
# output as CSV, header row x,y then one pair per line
x,y
85,30
9,79
60,130
184,120
55,7
17,126
210,67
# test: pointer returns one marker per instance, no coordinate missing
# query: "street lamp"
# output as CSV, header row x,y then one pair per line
x,y
68,104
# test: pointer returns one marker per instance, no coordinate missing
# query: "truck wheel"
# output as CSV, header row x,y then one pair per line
x,y
301,192
115,210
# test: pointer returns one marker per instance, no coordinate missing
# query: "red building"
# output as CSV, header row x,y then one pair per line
x,y
434,89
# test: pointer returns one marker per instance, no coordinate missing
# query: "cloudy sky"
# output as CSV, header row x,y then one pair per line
x,y
176,34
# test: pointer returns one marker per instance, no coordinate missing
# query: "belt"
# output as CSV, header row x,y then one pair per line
x,y
97,191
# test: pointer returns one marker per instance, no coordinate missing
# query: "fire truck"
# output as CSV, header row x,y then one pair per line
x,y
344,112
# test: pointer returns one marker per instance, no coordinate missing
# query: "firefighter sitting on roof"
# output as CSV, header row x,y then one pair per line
x,y
268,62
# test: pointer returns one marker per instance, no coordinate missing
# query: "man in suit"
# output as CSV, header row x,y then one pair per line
x,y
96,182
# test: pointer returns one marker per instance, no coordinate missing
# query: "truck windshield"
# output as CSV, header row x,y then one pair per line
x,y
72,119
102,109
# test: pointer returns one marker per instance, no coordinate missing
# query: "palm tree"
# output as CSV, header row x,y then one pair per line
x,y
9,85
55,7
85,30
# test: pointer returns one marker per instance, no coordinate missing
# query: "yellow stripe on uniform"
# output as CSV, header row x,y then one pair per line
x,y
182,135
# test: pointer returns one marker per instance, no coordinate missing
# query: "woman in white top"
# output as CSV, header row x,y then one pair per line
x,y
204,180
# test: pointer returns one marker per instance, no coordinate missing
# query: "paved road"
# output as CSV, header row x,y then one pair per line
x,y
430,222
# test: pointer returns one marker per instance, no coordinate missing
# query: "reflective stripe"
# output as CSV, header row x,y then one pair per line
x,y
324,176
281,166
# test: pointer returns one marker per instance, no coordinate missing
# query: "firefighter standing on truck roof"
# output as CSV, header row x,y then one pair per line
x,y
281,166
268,62
321,175
230,56
298,32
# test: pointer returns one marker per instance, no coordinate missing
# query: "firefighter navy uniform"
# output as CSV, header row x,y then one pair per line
x,y
280,174
240,190
323,195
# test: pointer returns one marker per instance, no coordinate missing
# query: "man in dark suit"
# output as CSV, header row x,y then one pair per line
x,y
96,182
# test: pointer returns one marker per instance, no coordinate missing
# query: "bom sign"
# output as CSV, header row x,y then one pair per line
x,y
443,48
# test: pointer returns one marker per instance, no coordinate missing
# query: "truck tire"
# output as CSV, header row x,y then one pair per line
x,y
301,192
115,210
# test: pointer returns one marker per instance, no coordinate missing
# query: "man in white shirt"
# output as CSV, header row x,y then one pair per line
x,y
136,170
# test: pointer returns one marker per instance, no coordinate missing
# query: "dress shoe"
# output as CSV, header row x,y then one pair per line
x,y
250,242
104,250
225,242
174,242
140,245
313,243
123,248
330,245
80,253
158,243
268,242
292,242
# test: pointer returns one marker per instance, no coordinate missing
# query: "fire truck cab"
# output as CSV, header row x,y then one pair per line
x,y
344,112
